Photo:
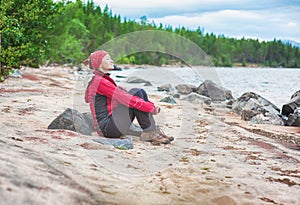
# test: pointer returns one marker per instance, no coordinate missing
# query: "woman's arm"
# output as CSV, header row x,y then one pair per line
x,y
108,89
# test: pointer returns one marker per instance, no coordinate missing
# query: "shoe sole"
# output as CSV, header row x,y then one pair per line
x,y
155,142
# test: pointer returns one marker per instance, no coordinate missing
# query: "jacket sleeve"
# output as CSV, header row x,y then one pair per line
x,y
108,89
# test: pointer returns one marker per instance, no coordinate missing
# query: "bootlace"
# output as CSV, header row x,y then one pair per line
x,y
160,131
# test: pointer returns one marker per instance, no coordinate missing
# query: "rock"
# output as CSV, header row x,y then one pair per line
x,y
121,76
123,144
248,114
297,112
293,119
292,105
185,89
267,118
253,101
117,68
297,93
296,119
166,87
194,88
72,120
168,99
291,111
196,98
88,119
217,93
147,84
230,102
134,79
16,74
176,95
257,109
83,123
76,68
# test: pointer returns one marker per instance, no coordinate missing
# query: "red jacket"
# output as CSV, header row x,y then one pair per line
x,y
102,93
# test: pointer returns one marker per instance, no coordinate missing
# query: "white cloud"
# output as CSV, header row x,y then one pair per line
x,y
261,24
159,8
292,25
265,20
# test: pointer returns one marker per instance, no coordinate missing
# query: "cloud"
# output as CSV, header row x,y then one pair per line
x,y
265,20
158,8
261,24
292,25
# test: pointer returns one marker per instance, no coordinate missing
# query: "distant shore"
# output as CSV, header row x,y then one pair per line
x,y
126,66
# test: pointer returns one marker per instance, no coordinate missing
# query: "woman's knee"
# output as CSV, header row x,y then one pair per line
x,y
135,91
139,92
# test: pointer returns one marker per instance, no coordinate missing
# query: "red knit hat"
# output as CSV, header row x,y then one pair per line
x,y
96,58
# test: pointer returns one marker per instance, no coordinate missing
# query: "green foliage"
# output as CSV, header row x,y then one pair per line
x,y
67,44
36,31
24,25
244,64
127,60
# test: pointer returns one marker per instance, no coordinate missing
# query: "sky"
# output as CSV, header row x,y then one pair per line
x,y
258,19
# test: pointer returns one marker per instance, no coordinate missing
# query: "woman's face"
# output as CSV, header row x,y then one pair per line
x,y
106,64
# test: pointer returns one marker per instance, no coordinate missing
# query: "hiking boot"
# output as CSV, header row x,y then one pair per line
x,y
162,133
154,137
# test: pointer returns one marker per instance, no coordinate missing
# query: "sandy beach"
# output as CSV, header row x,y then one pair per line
x,y
216,158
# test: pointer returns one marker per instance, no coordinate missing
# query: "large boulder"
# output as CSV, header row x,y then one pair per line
x,y
256,109
73,120
217,93
291,111
185,89
83,123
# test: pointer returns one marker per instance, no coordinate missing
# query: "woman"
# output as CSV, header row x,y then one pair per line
x,y
113,108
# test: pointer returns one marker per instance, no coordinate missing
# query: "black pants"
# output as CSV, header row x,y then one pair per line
x,y
123,116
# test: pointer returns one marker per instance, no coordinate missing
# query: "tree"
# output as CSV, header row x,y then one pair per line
x,y
24,25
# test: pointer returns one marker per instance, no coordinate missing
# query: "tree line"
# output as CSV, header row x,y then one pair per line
x,y
34,32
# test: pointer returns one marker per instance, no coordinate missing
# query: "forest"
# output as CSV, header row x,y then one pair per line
x,y
37,32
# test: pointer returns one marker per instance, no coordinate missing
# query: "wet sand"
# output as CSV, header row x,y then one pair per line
x,y
216,158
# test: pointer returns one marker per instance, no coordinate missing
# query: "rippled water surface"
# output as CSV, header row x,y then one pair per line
x,y
275,84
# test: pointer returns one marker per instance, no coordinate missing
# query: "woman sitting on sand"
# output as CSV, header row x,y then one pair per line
x,y
113,108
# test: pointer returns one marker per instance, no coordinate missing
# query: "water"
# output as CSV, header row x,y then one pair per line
x,y
275,84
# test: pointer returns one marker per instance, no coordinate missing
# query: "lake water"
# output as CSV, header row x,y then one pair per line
x,y
275,84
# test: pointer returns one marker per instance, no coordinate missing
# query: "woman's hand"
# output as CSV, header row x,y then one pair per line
x,y
157,110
